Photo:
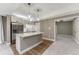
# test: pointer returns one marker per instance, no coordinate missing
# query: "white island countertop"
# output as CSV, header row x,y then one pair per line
x,y
28,34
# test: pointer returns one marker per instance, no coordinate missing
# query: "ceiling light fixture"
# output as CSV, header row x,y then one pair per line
x,y
30,16
38,14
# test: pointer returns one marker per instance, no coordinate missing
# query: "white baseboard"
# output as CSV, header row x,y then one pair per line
x,y
76,41
48,39
21,52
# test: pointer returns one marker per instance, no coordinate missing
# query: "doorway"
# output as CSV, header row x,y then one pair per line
x,y
63,28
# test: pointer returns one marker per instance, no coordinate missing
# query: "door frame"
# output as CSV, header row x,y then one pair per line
x,y
55,30
55,26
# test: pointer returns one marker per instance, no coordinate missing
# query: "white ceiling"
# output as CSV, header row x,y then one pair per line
x,y
7,8
47,9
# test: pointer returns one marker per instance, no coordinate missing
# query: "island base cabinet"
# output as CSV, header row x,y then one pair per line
x,y
27,43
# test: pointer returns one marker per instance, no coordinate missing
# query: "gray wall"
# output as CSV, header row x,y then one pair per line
x,y
47,27
65,28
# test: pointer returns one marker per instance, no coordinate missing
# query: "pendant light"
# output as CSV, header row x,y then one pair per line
x,y
29,15
38,10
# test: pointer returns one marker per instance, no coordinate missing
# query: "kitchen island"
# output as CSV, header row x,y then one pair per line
x,y
26,41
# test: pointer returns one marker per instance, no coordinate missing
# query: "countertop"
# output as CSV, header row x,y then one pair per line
x,y
28,34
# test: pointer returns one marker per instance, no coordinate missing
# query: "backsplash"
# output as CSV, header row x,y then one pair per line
x,y
31,28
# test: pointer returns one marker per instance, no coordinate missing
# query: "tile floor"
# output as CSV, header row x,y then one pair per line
x,y
5,49
64,45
